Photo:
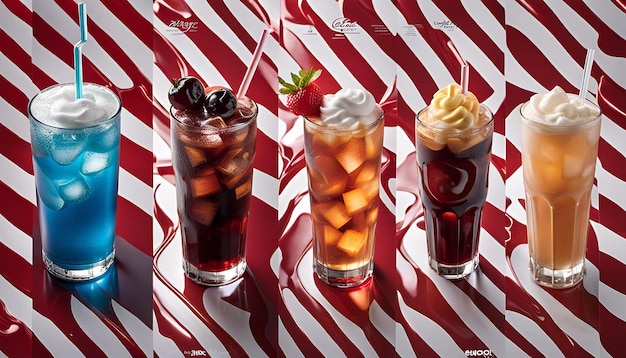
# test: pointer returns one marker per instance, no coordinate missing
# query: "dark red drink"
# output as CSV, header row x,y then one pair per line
x,y
453,188
213,162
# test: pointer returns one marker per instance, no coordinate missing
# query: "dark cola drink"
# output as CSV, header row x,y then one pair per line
x,y
453,171
213,160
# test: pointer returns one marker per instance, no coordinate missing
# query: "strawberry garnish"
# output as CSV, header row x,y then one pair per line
x,y
304,97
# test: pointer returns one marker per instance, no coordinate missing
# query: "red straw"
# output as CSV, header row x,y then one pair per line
x,y
464,82
256,57
464,77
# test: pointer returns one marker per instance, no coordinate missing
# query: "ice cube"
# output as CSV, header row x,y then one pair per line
x,y
66,147
365,175
196,156
573,166
235,169
243,189
48,192
334,212
205,184
352,242
41,141
355,201
331,235
352,155
373,143
216,122
76,191
107,140
203,211
95,163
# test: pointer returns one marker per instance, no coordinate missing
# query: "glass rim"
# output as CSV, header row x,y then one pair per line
x,y
233,127
451,131
112,118
558,127
321,127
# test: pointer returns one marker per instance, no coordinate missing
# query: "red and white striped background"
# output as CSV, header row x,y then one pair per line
x,y
279,308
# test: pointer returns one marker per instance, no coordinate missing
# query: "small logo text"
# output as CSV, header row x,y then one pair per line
x,y
345,25
184,26
478,353
446,25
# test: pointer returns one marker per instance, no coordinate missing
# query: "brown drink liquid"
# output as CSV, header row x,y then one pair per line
x,y
213,161
344,178
453,181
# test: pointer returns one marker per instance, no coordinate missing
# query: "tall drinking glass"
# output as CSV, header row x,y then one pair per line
x,y
453,171
559,165
213,163
343,168
76,174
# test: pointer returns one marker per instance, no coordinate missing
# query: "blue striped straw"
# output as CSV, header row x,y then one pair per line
x,y
78,54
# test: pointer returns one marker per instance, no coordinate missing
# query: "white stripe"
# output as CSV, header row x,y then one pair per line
x,y
403,344
429,331
384,323
517,17
135,191
18,304
136,130
51,337
138,331
459,302
16,240
17,179
15,28
265,187
613,301
14,120
354,333
94,328
285,341
132,46
613,245
611,187
310,326
528,329
163,346
16,76
192,54
186,318
579,331
233,320
294,188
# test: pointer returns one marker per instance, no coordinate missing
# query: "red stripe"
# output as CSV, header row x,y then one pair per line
x,y
16,209
136,160
16,149
134,225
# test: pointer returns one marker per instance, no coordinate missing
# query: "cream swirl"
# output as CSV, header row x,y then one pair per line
x,y
558,108
69,112
349,108
450,108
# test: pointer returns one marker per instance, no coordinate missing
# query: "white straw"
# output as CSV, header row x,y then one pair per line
x,y
586,73
256,57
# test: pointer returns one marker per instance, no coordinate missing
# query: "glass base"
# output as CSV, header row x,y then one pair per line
x,y
454,272
557,278
79,272
214,278
343,279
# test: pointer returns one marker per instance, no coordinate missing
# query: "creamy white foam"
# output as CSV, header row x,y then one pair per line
x,y
349,108
559,108
58,107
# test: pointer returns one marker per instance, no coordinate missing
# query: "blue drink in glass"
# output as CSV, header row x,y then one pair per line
x,y
75,146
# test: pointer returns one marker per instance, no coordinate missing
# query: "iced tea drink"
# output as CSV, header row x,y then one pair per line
x,y
213,158
343,166
560,135
453,143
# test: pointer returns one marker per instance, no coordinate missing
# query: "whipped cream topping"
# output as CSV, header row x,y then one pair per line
x,y
450,108
349,108
559,108
60,108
